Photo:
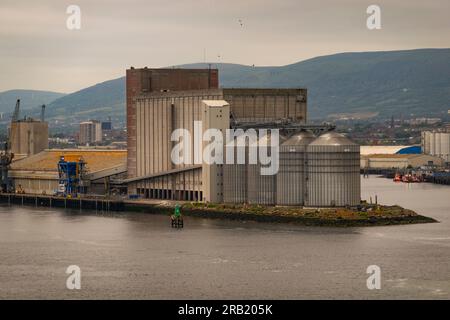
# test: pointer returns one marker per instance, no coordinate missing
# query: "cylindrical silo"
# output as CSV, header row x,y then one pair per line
x,y
333,171
262,188
291,182
446,146
426,142
433,143
235,175
437,144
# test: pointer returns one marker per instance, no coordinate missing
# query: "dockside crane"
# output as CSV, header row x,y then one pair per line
x,y
6,156
16,113
43,113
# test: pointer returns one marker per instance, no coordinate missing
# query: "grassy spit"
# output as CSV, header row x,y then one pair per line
x,y
363,215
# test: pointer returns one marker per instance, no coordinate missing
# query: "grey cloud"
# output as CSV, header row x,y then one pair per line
x,y
38,52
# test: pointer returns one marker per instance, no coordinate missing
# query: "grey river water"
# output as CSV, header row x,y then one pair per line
x,y
138,256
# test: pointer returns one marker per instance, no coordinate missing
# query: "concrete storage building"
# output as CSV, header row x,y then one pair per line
x,y
28,137
146,80
320,171
436,143
333,174
158,114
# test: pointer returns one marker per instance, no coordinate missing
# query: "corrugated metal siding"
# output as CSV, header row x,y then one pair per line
x,y
261,188
291,176
333,175
235,180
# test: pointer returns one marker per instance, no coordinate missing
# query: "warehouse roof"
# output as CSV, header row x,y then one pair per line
x,y
369,150
391,156
47,160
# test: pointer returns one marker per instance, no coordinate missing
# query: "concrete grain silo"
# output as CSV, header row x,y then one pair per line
x,y
333,171
291,177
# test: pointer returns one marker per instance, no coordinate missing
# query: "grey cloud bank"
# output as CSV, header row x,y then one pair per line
x,y
37,51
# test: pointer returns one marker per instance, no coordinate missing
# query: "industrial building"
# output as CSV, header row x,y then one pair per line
x,y
146,80
319,171
38,174
369,150
158,114
437,143
90,132
313,171
27,136
399,161
317,167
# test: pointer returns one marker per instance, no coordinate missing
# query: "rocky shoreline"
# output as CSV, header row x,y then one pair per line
x,y
368,215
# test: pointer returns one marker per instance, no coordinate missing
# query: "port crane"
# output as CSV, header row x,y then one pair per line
x,y
6,156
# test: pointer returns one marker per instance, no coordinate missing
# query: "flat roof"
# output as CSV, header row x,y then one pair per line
x,y
392,156
222,92
95,159
369,150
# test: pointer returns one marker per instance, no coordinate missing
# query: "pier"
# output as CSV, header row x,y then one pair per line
x,y
91,203
441,178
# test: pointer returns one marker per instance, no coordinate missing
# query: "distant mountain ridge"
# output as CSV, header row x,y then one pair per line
x,y
29,99
407,82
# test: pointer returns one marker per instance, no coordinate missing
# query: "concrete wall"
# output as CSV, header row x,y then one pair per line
x,y
37,186
29,137
158,115
215,114
254,105
141,81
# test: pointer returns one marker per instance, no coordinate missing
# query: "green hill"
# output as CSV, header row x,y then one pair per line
x,y
30,99
410,82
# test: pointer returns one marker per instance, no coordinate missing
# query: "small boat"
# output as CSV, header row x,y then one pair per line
x,y
406,178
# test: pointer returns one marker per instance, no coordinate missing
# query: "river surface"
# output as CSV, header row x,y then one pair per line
x,y
138,256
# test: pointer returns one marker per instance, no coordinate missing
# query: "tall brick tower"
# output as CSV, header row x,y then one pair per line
x,y
145,80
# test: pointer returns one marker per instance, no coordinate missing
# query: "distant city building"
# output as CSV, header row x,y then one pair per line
x,y
106,126
59,140
90,132
419,121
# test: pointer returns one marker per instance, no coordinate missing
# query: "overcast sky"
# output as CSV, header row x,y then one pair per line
x,y
37,51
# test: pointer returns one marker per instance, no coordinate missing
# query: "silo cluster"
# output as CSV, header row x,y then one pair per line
x,y
313,171
436,143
